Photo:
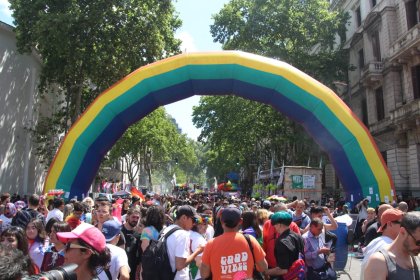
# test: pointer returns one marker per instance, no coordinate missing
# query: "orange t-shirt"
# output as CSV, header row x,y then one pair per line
x,y
269,241
229,256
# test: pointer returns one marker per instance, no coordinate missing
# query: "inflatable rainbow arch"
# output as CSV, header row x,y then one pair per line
x,y
323,114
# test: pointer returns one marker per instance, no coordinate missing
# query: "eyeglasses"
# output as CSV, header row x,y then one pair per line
x,y
415,240
76,246
202,220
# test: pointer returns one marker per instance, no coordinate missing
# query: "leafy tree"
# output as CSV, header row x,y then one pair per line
x,y
154,143
300,32
86,46
237,129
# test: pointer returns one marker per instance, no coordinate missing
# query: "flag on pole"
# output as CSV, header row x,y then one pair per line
x,y
281,177
272,168
135,191
258,172
173,181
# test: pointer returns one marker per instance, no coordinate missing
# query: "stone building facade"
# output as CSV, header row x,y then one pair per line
x,y
383,88
20,106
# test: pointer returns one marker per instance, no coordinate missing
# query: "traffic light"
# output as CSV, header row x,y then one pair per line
x,y
176,161
237,161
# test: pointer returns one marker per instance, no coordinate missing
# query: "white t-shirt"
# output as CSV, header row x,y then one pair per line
x,y
209,232
55,213
118,260
178,245
196,240
362,213
374,246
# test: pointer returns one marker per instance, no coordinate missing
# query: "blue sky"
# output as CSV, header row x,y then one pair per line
x,y
195,34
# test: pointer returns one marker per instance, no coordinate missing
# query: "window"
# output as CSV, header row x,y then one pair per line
x,y
358,17
385,157
373,3
412,12
361,59
380,107
376,46
364,112
415,77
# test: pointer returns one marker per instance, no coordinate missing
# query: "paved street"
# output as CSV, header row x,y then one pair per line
x,y
353,268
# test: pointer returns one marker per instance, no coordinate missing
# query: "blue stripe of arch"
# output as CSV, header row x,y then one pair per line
x,y
181,91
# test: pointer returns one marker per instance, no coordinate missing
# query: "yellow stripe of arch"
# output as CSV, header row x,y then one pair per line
x,y
248,60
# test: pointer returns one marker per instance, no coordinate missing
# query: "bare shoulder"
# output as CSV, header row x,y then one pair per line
x,y
376,267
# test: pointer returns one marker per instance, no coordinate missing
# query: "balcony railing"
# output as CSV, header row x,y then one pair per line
x,y
411,37
407,110
372,72
374,67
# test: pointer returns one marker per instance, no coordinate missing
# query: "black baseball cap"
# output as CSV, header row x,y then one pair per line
x,y
186,210
231,216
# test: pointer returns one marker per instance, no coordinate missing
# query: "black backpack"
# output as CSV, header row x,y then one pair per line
x,y
155,261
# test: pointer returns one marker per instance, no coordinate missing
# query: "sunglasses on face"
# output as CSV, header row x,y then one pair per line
x,y
202,220
76,246
415,240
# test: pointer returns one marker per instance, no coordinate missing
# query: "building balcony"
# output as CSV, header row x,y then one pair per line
x,y
381,126
406,47
406,116
372,73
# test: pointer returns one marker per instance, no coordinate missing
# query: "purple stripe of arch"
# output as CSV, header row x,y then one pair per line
x,y
214,87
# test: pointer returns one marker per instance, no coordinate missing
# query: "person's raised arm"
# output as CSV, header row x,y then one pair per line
x,y
333,225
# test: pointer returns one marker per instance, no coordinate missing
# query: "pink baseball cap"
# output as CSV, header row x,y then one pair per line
x,y
88,233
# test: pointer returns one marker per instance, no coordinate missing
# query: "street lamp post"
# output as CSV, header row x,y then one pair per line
x,y
149,166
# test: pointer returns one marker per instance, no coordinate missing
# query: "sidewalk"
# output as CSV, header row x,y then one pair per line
x,y
353,268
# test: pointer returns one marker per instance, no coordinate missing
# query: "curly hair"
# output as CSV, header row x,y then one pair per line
x,y
155,216
14,264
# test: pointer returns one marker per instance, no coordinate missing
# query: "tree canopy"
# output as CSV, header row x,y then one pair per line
x,y
243,133
305,34
86,46
154,144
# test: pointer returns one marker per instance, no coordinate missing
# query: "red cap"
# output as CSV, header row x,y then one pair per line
x,y
390,215
88,233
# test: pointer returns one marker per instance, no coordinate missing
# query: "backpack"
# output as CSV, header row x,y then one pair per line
x,y
155,261
297,270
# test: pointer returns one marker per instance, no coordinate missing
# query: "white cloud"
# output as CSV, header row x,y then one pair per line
x,y
4,7
188,44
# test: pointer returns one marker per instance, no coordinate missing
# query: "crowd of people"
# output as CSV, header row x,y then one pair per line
x,y
206,237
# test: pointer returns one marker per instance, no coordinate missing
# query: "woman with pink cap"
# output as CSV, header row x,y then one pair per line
x,y
85,246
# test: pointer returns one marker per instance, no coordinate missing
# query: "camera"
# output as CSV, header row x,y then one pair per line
x,y
65,272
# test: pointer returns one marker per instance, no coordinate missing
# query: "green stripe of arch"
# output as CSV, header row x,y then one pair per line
x,y
228,71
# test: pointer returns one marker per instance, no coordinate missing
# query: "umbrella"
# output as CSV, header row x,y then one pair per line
x,y
276,197
121,193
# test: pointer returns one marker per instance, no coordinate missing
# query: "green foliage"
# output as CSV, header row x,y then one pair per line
x,y
304,33
86,46
151,145
235,128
